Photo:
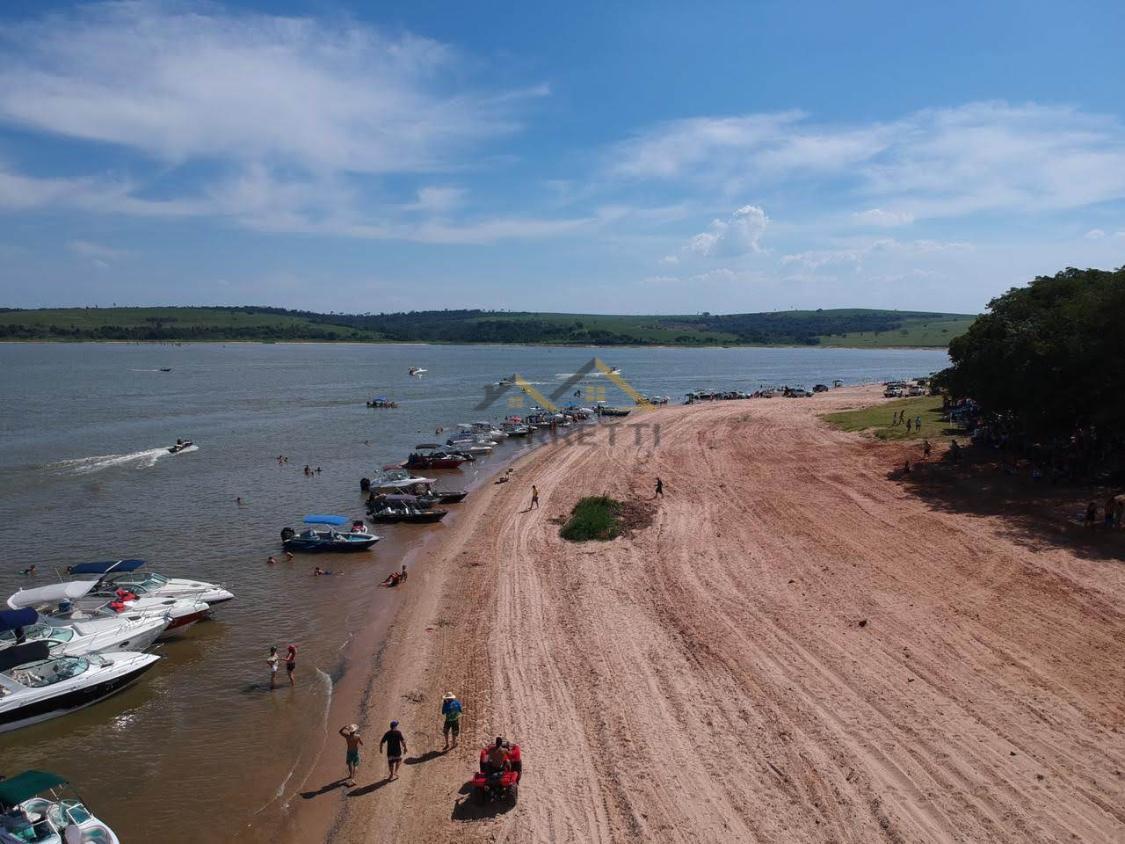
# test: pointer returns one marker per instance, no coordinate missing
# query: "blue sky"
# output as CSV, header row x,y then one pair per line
x,y
589,157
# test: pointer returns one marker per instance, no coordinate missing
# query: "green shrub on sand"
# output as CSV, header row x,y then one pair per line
x,y
595,517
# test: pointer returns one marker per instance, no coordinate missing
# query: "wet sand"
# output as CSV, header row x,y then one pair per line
x,y
798,648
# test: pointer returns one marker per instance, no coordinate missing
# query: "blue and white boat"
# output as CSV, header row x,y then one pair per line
x,y
123,574
314,541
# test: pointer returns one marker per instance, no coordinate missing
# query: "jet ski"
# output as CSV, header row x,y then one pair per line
x,y
180,446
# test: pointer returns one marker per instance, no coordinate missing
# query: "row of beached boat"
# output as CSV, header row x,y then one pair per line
x,y
71,644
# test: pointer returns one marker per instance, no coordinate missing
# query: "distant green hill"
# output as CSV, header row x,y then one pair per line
x,y
841,327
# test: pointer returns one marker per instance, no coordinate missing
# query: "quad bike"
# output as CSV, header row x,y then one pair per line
x,y
489,784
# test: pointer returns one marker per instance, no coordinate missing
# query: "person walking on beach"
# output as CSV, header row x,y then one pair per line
x,y
659,488
534,498
351,758
396,747
291,663
918,423
451,712
908,425
272,661
926,449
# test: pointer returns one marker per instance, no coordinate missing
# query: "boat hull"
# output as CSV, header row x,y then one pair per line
x,y
53,707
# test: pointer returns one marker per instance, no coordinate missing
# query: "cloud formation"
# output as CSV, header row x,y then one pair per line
x,y
737,235
985,156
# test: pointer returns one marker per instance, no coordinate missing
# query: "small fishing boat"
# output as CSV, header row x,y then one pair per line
x,y
180,446
165,369
80,637
313,541
435,456
417,370
37,686
382,401
38,806
124,574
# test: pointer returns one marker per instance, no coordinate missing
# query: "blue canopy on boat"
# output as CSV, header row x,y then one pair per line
x,y
11,619
379,398
327,520
106,567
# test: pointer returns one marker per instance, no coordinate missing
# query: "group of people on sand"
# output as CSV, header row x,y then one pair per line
x,y
1113,512
395,741
395,577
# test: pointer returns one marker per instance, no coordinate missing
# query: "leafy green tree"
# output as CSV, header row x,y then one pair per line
x,y
1051,355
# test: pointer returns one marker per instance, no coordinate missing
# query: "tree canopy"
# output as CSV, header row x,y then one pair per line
x,y
1050,356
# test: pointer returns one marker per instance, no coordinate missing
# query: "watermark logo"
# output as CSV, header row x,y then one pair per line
x,y
571,389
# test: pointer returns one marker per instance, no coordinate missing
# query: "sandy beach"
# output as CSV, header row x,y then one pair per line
x,y
798,648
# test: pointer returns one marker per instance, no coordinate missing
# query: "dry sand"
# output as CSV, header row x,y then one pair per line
x,y
797,649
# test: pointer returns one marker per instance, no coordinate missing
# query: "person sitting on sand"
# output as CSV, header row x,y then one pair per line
x,y
392,579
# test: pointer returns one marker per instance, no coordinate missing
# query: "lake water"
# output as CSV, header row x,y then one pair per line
x,y
200,749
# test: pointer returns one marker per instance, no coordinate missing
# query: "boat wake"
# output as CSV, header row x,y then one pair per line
x,y
88,465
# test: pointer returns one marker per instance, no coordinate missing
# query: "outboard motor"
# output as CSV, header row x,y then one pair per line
x,y
364,484
287,533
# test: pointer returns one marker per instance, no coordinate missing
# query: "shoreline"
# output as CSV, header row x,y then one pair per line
x,y
767,615
702,347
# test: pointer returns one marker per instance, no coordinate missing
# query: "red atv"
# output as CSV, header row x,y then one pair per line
x,y
499,774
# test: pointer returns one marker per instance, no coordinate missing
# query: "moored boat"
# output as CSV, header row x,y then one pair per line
x,y
65,638
435,456
38,806
118,574
36,686
313,541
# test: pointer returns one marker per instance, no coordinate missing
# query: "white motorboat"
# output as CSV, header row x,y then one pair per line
x,y
70,602
485,430
35,686
124,574
39,807
80,637
394,479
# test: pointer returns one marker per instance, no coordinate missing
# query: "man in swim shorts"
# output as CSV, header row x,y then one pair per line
x,y
351,758
451,710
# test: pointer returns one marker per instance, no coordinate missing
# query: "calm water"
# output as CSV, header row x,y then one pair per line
x,y
200,748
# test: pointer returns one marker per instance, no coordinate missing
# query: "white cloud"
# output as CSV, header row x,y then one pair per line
x,y
738,234
670,260
96,251
858,252
880,217
438,199
186,82
987,156
1095,234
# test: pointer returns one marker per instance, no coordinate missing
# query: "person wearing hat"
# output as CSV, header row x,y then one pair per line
x,y
451,710
351,758
396,747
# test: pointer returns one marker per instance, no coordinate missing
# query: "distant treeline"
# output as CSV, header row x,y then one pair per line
x,y
452,326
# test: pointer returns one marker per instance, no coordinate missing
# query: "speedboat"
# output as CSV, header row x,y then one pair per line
x,y
313,541
38,806
486,430
515,429
417,370
123,574
391,512
434,456
393,479
382,401
70,602
35,686
180,446
80,637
